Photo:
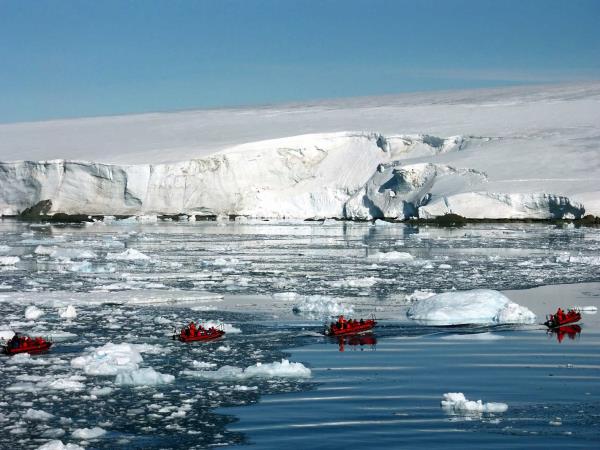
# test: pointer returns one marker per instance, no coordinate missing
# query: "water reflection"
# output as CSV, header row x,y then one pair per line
x,y
572,331
357,341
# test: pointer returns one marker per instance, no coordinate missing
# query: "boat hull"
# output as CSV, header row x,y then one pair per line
x,y
201,338
29,349
368,325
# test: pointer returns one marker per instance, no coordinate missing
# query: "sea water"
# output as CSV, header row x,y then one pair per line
x,y
135,282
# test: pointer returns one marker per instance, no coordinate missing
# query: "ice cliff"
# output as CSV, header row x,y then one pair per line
x,y
508,158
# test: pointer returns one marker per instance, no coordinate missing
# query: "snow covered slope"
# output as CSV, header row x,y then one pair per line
x,y
503,153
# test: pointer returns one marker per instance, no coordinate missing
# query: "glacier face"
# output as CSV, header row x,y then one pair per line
x,y
304,176
512,153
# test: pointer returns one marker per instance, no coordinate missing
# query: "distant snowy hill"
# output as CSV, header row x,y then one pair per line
x,y
527,152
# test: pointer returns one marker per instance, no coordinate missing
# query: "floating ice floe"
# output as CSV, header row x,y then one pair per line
x,y
33,312
58,445
355,282
227,327
37,415
88,433
473,337
479,306
286,295
418,295
456,402
319,307
50,382
110,359
5,335
130,254
143,377
397,257
591,260
9,260
283,369
203,365
64,253
68,313
586,309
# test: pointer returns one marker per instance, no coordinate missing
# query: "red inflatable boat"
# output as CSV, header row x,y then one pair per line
x,y
207,336
344,327
197,333
25,344
560,318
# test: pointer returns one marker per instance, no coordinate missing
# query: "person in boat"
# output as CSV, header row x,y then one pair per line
x,y
192,327
362,321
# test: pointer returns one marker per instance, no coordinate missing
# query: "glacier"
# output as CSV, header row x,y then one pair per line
x,y
509,153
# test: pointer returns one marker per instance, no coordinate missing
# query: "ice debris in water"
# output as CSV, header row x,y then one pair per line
x,y
33,312
88,433
58,445
392,256
64,253
479,306
457,402
143,377
283,369
9,260
130,254
68,313
319,306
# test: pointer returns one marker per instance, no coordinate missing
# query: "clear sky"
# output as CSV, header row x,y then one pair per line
x,y
66,58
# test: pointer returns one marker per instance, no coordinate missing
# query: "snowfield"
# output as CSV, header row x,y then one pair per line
x,y
527,152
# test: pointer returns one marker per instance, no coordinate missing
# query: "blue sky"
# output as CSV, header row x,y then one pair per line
x,y
66,58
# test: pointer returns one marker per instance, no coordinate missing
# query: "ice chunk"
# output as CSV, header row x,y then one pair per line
x,y
33,312
227,327
130,254
457,402
143,377
110,359
583,309
283,369
321,307
9,260
36,414
58,445
473,337
356,282
397,257
64,253
100,391
480,306
203,365
88,433
418,295
5,335
68,313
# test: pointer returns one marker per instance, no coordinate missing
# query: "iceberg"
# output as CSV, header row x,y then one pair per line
x,y
456,402
479,306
